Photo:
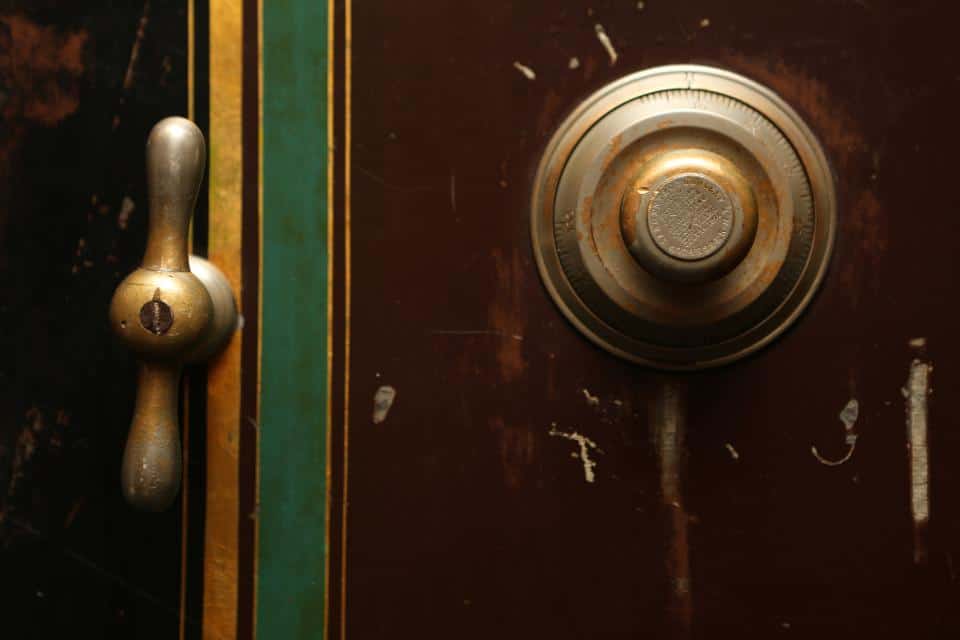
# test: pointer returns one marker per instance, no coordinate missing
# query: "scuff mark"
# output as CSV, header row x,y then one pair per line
x,y
527,72
848,416
475,332
705,23
916,393
917,343
607,43
382,402
668,419
641,5
135,49
585,444
733,452
453,192
574,63
592,400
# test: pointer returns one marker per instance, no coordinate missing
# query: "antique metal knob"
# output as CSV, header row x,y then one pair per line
x,y
174,309
683,216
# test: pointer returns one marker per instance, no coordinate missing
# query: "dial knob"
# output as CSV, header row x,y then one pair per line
x,y
683,216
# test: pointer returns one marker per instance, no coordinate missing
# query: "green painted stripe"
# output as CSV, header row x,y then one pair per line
x,y
293,399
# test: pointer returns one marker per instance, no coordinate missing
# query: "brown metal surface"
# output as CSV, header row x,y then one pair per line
x,y
524,483
81,86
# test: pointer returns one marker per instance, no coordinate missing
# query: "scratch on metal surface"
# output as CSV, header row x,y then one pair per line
x,y
527,72
669,430
130,73
607,43
592,400
733,452
382,402
585,444
475,332
848,416
917,393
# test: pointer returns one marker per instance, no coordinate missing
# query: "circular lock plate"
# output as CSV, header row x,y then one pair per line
x,y
683,217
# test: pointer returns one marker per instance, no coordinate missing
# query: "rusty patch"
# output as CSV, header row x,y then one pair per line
x,y
517,448
865,229
40,68
507,315
547,119
836,129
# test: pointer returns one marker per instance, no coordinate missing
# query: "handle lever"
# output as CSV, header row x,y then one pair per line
x,y
167,315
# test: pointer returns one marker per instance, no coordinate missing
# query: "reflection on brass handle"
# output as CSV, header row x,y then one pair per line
x,y
167,314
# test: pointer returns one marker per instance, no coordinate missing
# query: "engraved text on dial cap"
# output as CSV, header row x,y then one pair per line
x,y
690,216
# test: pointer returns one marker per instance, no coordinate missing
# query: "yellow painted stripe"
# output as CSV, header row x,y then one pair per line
x,y
223,383
347,91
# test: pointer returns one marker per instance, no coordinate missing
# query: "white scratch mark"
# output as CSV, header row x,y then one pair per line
x,y
382,401
607,43
592,400
528,73
848,416
705,23
916,394
918,343
733,452
574,63
585,444
126,208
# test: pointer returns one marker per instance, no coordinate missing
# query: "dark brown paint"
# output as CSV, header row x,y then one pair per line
x,y
466,518
80,87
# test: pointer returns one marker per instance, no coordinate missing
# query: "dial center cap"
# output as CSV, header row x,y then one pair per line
x,y
690,216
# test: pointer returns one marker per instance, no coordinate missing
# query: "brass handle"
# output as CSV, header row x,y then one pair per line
x,y
167,315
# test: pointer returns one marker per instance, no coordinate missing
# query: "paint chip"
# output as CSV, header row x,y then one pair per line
x,y
382,402
574,63
592,400
848,416
527,72
916,394
641,5
607,43
705,23
918,343
126,208
585,444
